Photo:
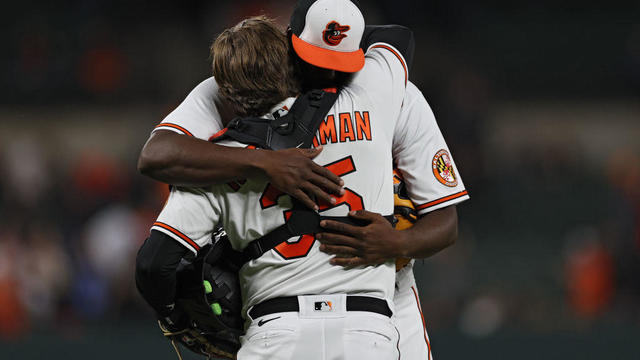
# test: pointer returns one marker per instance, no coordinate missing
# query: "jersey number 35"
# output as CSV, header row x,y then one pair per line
x,y
300,247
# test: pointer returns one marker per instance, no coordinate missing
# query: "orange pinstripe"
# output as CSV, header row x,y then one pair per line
x,y
424,325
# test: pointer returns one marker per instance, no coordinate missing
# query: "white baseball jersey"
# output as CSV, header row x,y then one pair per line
x,y
197,115
423,157
357,134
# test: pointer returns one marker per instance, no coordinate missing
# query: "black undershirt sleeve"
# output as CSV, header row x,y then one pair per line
x,y
156,266
398,36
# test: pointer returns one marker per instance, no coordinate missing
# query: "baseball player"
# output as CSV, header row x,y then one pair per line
x,y
349,309
434,187
199,116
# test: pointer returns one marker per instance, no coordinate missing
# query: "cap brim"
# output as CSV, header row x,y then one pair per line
x,y
349,62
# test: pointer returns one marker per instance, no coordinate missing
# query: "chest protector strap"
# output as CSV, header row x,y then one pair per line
x,y
296,129
301,222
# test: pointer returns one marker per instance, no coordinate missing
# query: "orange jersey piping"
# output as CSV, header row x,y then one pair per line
x,y
441,200
175,126
178,233
406,72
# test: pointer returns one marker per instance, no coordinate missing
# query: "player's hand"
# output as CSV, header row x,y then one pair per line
x,y
371,244
294,172
177,320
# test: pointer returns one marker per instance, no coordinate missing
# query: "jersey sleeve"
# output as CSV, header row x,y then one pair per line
x,y
189,217
423,157
197,115
384,77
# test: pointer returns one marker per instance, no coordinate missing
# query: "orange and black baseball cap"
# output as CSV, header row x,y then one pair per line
x,y
327,34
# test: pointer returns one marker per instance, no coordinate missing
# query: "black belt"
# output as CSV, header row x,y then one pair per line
x,y
290,303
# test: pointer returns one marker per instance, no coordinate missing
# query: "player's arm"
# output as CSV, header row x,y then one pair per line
x,y
184,226
156,265
177,153
378,241
187,161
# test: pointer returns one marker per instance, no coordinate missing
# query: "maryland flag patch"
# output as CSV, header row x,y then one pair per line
x,y
443,169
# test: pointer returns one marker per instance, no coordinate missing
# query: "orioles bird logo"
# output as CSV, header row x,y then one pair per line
x,y
334,33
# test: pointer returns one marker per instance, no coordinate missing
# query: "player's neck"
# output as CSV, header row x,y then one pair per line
x,y
225,110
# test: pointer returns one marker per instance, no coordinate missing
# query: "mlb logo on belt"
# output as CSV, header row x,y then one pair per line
x,y
323,306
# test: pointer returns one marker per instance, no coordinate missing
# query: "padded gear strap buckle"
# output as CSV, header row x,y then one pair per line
x,y
303,222
285,125
236,124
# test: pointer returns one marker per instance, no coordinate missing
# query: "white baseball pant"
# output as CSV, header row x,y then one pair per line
x,y
322,329
408,317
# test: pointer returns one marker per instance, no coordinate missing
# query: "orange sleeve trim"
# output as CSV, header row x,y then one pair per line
x,y
406,73
185,131
424,324
178,233
441,200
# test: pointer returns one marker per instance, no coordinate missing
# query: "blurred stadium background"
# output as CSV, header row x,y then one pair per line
x,y
539,102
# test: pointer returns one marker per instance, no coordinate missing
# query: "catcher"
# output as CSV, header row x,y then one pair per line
x,y
208,293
